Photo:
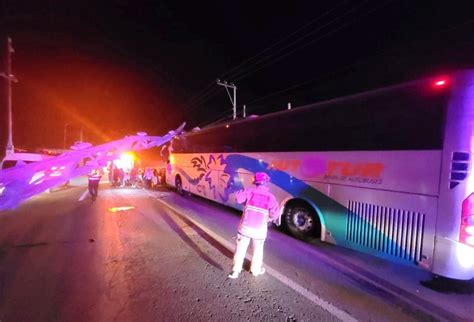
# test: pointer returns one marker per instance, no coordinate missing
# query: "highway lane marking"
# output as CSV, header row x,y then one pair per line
x,y
340,314
83,195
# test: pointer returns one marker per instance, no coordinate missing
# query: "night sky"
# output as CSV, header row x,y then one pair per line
x,y
114,68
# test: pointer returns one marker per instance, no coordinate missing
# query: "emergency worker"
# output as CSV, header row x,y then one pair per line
x,y
94,179
148,177
260,208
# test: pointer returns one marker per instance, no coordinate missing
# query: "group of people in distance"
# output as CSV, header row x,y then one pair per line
x,y
118,177
148,178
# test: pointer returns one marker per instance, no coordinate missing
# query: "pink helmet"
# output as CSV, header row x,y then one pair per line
x,y
260,178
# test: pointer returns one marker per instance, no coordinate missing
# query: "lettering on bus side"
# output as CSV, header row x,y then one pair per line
x,y
285,165
360,172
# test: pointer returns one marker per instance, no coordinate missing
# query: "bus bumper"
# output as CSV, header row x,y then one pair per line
x,y
453,259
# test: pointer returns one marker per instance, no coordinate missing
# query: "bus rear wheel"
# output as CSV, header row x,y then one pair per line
x,y
301,221
179,185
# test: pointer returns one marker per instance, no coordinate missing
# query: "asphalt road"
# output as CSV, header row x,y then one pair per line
x,y
137,255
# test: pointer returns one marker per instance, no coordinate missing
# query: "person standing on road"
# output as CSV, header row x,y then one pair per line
x,y
94,179
260,208
148,177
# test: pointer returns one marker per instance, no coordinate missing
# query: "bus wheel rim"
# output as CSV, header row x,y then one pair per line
x,y
302,220
179,185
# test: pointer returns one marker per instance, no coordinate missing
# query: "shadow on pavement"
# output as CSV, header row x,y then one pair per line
x,y
448,285
188,241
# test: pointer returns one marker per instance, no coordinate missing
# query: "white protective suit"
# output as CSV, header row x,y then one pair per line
x,y
260,208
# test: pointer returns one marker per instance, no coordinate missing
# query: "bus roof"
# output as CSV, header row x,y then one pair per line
x,y
423,81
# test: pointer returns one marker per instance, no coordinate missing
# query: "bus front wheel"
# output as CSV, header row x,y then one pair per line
x,y
179,185
301,221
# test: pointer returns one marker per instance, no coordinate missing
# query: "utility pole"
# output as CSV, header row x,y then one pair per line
x,y
10,78
234,100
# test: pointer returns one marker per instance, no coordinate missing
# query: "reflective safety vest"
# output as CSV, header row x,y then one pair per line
x,y
260,208
257,209
94,177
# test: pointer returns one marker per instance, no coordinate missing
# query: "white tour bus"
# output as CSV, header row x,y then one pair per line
x,y
386,172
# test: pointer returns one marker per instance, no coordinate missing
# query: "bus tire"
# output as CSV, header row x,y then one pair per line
x,y
178,183
301,221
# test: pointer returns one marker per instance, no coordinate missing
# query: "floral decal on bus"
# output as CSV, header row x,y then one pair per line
x,y
207,180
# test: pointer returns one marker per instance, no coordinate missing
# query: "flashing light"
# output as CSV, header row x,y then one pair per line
x,y
440,82
125,161
127,156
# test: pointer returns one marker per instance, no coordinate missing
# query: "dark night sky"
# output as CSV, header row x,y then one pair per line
x,y
118,67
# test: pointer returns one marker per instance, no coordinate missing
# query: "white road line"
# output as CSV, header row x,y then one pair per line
x,y
340,314
83,195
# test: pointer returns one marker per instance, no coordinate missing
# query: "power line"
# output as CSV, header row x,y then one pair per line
x,y
207,91
315,31
277,58
229,73
210,93
311,42
278,51
314,40
216,119
196,97
304,45
346,67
